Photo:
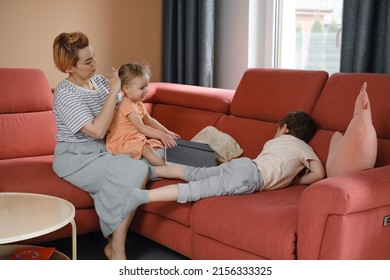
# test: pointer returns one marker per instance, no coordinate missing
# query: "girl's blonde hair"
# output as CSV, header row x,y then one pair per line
x,y
65,49
129,71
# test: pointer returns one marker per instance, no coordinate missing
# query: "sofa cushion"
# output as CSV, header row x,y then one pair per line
x,y
225,147
28,85
320,143
188,96
355,150
35,175
186,122
270,94
264,223
27,127
339,96
178,212
27,134
250,134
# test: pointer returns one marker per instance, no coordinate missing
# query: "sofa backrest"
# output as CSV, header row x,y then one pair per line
x,y
270,94
334,110
27,125
201,106
263,97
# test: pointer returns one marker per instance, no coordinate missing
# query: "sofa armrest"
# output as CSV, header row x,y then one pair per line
x,y
338,215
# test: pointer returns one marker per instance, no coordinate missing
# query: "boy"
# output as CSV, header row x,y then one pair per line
x,y
277,166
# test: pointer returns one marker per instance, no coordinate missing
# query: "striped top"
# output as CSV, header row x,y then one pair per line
x,y
75,106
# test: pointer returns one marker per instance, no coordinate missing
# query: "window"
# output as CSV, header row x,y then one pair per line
x,y
308,34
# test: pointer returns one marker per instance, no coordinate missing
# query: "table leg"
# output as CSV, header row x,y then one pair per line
x,y
74,240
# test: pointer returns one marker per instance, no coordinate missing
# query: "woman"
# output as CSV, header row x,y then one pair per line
x,y
84,105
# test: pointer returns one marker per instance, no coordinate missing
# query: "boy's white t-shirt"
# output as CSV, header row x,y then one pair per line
x,y
281,159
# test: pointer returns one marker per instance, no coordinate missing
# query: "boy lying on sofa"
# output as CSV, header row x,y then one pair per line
x,y
277,166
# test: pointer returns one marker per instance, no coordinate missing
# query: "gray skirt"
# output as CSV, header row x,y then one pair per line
x,y
106,177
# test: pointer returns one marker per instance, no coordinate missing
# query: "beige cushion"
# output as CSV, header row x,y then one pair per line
x,y
225,147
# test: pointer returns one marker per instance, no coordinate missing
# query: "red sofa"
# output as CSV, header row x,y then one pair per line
x,y
341,217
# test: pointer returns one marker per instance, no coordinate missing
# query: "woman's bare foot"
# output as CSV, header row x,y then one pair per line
x,y
107,248
107,251
112,254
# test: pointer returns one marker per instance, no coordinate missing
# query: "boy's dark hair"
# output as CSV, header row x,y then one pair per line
x,y
300,125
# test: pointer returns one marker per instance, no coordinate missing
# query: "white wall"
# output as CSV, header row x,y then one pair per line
x,y
231,42
243,39
261,41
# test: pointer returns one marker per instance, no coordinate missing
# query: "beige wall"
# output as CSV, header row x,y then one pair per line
x,y
120,31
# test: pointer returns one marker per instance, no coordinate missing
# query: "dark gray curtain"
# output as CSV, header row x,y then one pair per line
x,y
188,41
366,36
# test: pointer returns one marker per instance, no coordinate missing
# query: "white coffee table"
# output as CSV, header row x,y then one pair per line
x,y
28,215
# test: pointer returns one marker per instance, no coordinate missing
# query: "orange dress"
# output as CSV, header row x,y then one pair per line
x,y
123,137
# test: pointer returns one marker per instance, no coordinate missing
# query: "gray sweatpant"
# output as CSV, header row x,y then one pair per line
x,y
239,176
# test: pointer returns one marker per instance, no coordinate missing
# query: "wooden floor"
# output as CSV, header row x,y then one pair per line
x,y
90,247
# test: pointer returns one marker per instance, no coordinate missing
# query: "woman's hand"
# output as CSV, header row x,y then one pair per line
x,y
115,82
98,127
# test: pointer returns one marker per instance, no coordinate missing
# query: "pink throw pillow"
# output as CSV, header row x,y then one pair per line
x,y
357,149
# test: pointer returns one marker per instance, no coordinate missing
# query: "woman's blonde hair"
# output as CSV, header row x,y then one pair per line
x,y
65,49
129,71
